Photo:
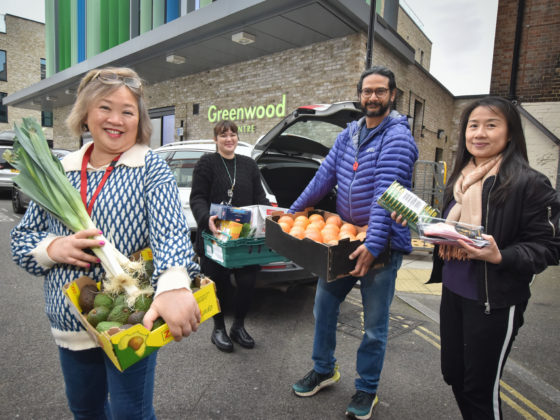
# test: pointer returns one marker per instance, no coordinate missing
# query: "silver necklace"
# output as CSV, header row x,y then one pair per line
x,y
230,190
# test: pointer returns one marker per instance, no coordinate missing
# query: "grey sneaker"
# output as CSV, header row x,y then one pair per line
x,y
362,405
313,382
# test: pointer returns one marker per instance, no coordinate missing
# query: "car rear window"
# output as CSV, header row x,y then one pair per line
x,y
320,131
3,163
182,164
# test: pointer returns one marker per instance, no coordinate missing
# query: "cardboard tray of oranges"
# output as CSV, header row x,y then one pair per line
x,y
317,240
240,252
124,347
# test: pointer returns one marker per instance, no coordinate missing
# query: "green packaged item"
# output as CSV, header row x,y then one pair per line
x,y
412,208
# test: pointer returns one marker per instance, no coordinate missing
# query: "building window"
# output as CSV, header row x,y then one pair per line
x,y
3,109
43,68
3,66
46,119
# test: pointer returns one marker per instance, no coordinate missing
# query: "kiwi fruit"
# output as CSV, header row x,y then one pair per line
x,y
87,296
136,317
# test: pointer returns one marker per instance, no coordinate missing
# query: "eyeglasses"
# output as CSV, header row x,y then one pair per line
x,y
379,92
114,78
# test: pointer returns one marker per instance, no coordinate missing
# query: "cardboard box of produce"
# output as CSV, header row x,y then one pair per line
x,y
329,261
126,347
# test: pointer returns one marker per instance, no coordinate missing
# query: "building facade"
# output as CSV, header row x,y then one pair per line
x,y
22,63
252,61
526,69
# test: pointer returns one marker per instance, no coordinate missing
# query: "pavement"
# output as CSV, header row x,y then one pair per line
x,y
196,381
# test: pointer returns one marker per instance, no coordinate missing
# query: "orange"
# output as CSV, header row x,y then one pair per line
x,y
314,235
285,226
286,219
329,236
320,223
334,219
316,216
301,220
312,226
329,227
333,242
297,231
350,228
344,235
361,236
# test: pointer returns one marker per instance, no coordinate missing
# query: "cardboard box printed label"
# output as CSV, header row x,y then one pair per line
x,y
327,260
128,346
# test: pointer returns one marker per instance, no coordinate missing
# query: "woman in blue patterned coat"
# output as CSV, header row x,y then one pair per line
x,y
136,204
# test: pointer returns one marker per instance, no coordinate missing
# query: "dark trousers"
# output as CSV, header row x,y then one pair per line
x,y
245,278
474,350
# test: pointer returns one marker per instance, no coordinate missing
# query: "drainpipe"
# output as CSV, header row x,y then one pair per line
x,y
371,30
516,52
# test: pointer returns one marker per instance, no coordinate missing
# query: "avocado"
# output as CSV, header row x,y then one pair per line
x,y
103,299
119,300
87,296
158,323
119,313
136,317
142,303
98,314
107,325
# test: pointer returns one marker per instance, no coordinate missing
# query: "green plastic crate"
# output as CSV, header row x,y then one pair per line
x,y
239,252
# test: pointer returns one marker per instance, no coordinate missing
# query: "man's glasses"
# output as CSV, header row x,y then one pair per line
x,y
379,92
114,78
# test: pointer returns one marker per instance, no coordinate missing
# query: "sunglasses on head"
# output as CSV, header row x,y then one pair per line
x,y
114,78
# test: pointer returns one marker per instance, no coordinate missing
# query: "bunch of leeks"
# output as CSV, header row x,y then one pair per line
x,y
42,177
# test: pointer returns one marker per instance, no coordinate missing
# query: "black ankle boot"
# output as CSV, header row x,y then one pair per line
x,y
239,334
221,340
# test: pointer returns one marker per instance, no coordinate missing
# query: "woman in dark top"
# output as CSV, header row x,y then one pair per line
x,y
485,291
229,178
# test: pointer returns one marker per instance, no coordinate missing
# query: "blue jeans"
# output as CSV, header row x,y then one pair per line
x,y
377,288
90,377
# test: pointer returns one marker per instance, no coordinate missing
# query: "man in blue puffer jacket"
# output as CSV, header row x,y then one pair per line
x,y
366,158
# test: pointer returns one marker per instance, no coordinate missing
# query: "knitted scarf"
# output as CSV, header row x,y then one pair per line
x,y
467,192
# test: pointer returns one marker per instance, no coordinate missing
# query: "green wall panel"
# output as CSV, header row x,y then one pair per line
x,y
93,28
103,25
123,21
145,16
64,35
158,13
73,33
113,24
50,37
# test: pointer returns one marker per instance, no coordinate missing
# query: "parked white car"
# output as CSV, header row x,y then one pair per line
x,y
181,158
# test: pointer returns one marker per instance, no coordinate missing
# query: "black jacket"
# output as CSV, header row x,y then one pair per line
x,y
211,182
526,230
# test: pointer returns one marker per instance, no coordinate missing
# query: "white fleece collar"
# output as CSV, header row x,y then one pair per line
x,y
133,157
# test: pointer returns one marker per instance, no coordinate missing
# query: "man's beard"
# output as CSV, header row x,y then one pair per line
x,y
381,111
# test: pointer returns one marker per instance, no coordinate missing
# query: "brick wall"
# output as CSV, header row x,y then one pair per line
x,y
416,38
538,77
24,43
324,72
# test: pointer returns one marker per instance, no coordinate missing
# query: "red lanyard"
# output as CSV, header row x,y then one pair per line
x,y
84,182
